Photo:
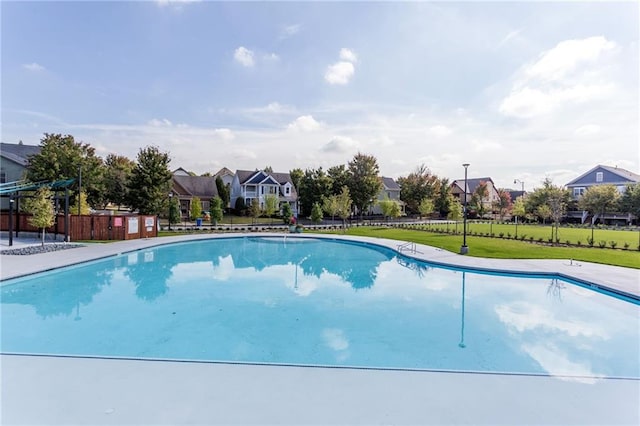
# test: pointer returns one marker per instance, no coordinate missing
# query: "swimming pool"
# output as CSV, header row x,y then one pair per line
x,y
318,302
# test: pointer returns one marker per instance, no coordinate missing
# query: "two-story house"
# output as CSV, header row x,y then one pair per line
x,y
600,175
256,185
390,190
186,188
14,158
458,190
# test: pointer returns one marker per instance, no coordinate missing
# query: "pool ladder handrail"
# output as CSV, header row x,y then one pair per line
x,y
409,246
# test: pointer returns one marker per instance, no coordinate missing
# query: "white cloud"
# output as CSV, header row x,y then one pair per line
x,y
348,55
164,3
243,154
159,123
342,71
225,134
570,73
339,73
304,123
567,55
271,57
244,56
335,339
484,145
35,67
509,37
440,131
340,144
290,30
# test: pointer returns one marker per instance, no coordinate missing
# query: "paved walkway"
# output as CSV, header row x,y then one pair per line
x,y
75,390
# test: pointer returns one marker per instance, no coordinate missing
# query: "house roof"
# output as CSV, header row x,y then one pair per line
x,y
390,184
626,175
472,183
248,176
196,186
180,172
18,153
223,172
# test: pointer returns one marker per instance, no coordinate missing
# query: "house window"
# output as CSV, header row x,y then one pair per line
x,y
577,192
287,190
599,176
3,177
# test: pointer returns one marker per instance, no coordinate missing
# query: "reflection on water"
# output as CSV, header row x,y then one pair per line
x,y
319,302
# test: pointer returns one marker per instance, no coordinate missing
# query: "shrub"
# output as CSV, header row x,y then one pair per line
x,y
626,246
568,242
613,244
540,239
602,244
508,234
522,237
531,238
590,241
579,243
501,234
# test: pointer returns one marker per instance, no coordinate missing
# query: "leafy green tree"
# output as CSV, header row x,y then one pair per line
x,y
314,186
426,207
270,204
84,205
417,186
150,181
339,177
268,169
518,210
296,178
61,158
503,203
600,199
254,209
316,213
544,212
216,210
240,207
330,206
174,210
455,211
195,208
224,191
542,195
287,213
41,209
344,203
117,172
364,181
390,208
441,201
630,200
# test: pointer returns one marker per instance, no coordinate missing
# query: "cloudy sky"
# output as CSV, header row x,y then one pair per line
x,y
520,90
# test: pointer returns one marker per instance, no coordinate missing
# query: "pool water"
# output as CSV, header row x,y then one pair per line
x,y
318,302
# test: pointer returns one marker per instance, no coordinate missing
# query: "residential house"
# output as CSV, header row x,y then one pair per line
x,y
227,179
390,190
181,172
600,175
256,185
14,158
185,188
458,190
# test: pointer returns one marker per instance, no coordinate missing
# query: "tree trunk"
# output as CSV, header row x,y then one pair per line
x,y
42,237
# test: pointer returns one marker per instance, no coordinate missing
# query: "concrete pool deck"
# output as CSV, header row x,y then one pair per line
x,y
76,390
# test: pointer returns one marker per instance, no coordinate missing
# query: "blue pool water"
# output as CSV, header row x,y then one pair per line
x,y
318,302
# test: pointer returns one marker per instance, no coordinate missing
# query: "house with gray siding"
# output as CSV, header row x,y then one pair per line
x,y
256,185
14,158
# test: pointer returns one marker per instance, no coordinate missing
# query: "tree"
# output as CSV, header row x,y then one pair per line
x,y
240,207
254,209
503,203
541,196
441,200
41,209
455,211
174,210
287,213
330,206
339,176
150,181
268,169
195,210
296,178
84,206
426,207
61,158
630,200
223,191
544,212
117,172
344,202
599,199
417,186
314,186
389,207
479,198
216,210
364,181
518,210
270,204
316,213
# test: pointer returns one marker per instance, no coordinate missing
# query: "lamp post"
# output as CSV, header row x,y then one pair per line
x,y
170,208
464,249
11,221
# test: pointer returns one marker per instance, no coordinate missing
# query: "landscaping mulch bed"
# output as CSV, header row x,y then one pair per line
x,y
49,247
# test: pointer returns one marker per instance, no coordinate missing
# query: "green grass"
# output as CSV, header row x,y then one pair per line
x,y
572,235
503,248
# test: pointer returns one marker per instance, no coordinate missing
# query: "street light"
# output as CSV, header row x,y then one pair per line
x,y
170,208
11,221
464,249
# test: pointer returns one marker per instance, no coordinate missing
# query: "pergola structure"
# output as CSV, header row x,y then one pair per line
x,y
13,191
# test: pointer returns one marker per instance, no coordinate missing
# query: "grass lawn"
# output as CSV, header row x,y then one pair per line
x,y
503,248
565,234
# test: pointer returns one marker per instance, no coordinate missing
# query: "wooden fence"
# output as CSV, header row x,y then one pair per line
x,y
89,227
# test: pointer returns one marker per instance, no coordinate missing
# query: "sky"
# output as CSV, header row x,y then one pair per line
x,y
519,90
